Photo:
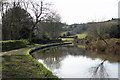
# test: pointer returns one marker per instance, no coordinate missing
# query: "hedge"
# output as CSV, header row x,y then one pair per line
x,y
13,44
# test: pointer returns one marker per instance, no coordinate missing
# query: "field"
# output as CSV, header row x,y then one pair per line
x,y
81,35
67,39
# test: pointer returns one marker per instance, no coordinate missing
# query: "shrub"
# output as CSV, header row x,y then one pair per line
x,y
68,34
118,42
93,47
63,35
115,31
12,44
101,46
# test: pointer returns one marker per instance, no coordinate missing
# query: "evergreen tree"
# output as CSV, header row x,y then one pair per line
x,y
16,24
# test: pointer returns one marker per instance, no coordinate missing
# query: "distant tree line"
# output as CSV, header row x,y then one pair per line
x,y
95,30
104,30
76,29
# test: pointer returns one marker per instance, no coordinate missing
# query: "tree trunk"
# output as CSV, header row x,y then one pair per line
x,y
103,39
30,36
31,32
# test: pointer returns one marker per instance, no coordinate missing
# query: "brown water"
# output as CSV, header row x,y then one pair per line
x,y
75,62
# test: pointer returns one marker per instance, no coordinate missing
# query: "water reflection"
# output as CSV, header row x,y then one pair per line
x,y
53,56
112,58
99,71
74,62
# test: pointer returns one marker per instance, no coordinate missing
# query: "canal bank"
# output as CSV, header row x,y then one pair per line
x,y
20,64
47,46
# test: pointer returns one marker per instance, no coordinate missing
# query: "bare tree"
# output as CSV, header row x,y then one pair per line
x,y
4,4
55,27
99,72
40,11
51,27
99,31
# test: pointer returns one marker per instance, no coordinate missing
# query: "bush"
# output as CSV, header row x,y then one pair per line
x,y
101,46
118,42
115,31
68,34
93,47
12,44
63,35
98,46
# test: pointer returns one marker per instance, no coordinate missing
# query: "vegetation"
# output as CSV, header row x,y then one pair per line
x,y
97,36
95,30
115,31
13,44
19,64
103,37
99,46
16,24
75,29
27,20
100,30
36,23
49,30
80,36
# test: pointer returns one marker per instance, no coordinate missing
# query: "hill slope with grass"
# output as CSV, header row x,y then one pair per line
x,y
74,29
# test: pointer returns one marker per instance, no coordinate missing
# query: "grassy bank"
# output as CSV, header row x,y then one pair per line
x,y
19,64
113,46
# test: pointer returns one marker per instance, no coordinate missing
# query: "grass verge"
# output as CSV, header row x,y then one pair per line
x,y
20,64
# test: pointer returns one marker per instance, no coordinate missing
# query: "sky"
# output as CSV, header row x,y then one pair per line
x,y
83,11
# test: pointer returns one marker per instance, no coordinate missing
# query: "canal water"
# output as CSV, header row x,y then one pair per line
x,y
76,62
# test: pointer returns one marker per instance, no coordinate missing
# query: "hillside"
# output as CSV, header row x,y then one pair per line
x,y
82,28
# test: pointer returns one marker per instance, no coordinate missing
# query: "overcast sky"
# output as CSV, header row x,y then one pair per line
x,y
82,11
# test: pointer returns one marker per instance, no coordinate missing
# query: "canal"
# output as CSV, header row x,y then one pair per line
x,y
76,62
